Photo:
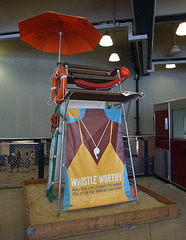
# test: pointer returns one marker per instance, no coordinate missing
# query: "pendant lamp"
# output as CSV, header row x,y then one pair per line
x,y
181,30
174,50
106,40
114,57
170,65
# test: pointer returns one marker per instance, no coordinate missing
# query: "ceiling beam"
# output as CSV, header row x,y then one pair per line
x,y
165,61
171,18
144,20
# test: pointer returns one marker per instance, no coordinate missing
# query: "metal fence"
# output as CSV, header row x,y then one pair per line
x,y
142,155
23,160
29,160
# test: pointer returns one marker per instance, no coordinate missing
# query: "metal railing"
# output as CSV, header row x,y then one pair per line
x,y
142,154
23,160
29,160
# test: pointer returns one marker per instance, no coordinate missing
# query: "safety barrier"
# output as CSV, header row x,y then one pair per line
x,y
23,160
142,148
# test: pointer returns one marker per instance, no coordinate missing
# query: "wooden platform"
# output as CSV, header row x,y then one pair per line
x,y
43,223
89,95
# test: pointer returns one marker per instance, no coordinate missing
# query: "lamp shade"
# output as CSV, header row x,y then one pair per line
x,y
175,50
170,65
181,30
106,41
114,57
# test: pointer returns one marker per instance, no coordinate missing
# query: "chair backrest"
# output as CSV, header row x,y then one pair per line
x,y
88,73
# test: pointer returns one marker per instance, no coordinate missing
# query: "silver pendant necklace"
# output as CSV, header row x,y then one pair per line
x,y
96,149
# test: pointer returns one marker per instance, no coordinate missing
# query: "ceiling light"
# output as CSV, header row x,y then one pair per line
x,y
114,57
181,30
170,65
106,41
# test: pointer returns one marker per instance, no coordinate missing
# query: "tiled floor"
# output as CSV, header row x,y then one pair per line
x,y
13,227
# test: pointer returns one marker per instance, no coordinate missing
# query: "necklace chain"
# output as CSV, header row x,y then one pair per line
x,y
91,135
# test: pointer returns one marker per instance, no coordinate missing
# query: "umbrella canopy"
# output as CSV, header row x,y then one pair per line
x,y
59,33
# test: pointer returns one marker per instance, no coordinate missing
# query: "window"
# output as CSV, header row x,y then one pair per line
x,y
179,123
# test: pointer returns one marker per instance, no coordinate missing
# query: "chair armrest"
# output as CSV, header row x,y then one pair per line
x,y
114,72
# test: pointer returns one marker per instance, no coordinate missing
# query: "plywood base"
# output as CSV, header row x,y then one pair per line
x,y
43,223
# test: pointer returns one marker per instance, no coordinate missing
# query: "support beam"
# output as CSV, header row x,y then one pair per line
x,y
144,19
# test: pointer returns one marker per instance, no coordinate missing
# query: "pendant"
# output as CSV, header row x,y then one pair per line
x,y
96,152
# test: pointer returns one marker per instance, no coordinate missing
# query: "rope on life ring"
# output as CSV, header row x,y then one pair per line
x,y
59,83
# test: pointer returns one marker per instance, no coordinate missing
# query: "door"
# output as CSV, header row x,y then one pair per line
x,y
178,162
161,129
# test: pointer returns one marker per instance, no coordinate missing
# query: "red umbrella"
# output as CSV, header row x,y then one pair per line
x,y
59,33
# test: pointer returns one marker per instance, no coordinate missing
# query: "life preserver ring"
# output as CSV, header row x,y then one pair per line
x,y
60,77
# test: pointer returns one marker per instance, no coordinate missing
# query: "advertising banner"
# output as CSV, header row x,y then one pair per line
x,y
95,171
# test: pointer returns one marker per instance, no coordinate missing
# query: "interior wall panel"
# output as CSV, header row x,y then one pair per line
x,y
25,86
162,85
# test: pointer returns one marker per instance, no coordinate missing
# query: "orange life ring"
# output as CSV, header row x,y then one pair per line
x,y
61,77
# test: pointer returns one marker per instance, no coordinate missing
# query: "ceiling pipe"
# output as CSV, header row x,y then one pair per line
x,y
6,36
120,26
110,26
164,62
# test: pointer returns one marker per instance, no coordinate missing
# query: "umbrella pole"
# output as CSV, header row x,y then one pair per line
x,y
60,34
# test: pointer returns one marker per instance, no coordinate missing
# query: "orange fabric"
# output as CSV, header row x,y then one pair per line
x,y
42,32
133,191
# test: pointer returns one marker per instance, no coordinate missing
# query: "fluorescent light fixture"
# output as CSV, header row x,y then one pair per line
x,y
106,41
181,30
114,57
170,65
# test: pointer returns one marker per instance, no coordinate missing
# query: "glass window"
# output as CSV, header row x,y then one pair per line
x,y
179,123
